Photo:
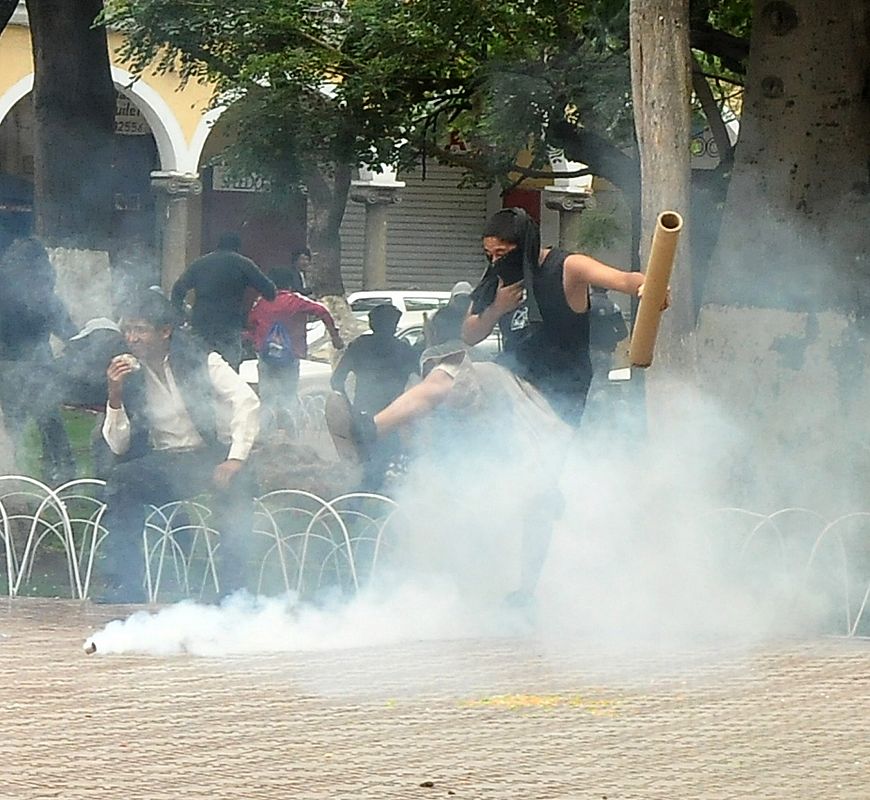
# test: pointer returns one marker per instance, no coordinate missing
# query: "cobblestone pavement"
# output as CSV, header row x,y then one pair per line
x,y
470,719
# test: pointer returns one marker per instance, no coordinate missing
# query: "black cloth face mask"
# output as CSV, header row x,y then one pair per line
x,y
510,267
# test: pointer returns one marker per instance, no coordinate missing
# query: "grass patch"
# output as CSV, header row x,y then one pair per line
x,y
79,424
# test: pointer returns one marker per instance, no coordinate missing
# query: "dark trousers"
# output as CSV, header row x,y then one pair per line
x,y
226,341
28,390
160,477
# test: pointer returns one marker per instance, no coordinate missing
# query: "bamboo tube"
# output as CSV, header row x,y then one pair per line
x,y
655,287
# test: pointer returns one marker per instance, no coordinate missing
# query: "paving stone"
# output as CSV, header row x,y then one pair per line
x,y
488,719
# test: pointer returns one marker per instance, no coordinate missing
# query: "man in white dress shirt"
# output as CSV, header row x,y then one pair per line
x,y
180,422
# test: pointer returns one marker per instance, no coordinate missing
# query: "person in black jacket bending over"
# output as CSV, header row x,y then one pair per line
x,y
219,280
181,422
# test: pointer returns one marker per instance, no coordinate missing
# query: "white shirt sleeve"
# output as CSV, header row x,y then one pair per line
x,y
242,402
116,430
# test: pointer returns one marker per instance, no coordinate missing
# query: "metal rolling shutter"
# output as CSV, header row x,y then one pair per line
x,y
433,234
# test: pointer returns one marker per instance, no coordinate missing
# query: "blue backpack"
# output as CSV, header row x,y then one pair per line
x,y
277,347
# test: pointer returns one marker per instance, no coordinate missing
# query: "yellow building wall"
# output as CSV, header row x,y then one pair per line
x,y
188,105
16,57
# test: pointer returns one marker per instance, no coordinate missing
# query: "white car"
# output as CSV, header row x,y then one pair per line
x,y
414,305
486,350
313,375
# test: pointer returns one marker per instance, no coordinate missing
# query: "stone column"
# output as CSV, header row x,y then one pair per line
x,y
570,202
173,190
378,191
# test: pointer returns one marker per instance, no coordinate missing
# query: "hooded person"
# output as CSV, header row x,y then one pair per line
x,y
540,301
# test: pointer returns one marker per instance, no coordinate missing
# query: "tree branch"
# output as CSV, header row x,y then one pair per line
x,y
733,50
722,79
479,166
713,115
273,43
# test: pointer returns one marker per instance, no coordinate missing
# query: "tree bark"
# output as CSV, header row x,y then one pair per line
x,y
74,107
784,322
661,81
327,199
802,169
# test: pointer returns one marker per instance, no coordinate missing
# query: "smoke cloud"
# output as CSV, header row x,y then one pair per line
x,y
243,624
640,560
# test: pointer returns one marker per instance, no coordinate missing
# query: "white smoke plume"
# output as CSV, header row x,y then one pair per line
x,y
244,624
635,562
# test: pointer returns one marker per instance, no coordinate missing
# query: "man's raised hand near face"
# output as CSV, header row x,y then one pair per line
x,y
507,298
117,371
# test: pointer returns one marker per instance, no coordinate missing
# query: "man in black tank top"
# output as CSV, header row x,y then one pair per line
x,y
545,331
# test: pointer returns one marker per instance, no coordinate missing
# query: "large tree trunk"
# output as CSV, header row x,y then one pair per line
x,y
327,199
784,319
661,81
74,105
801,173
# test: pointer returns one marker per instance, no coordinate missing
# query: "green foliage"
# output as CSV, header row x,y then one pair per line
x,y
729,17
598,229
388,80
493,73
732,16
379,80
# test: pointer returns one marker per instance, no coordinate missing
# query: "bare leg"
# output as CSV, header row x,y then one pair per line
x,y
355,435
418,401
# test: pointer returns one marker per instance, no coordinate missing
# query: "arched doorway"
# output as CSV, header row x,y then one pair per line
x,y
148,139
135,156
271,229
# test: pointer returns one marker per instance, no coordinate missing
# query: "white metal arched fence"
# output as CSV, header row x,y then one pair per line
x,y
303,543
299,542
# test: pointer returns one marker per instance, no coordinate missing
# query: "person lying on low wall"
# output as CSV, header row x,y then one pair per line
x,y
486,427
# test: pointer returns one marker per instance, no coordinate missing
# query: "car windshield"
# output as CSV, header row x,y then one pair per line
x,y
425,303
365,304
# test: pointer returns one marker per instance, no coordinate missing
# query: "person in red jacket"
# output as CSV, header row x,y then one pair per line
x,y
278,330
